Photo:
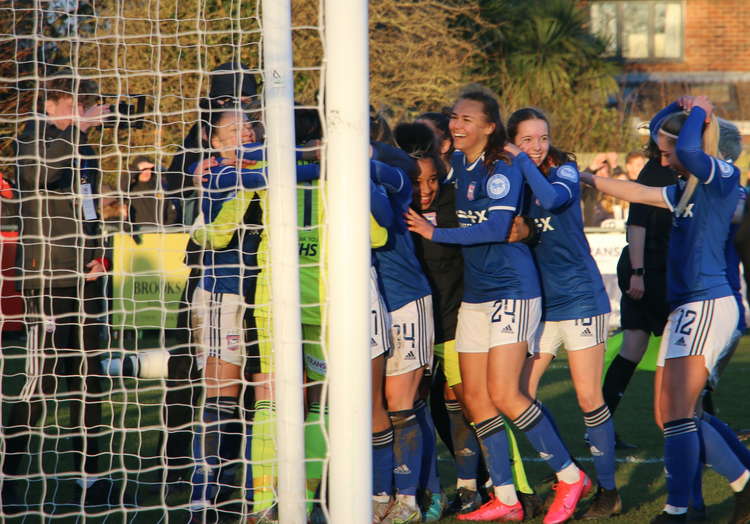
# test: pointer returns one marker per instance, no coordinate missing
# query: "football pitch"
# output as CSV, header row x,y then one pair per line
x,y
640,472
133,410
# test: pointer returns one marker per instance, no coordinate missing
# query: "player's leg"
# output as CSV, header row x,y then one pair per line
x,y
534,368
264,423
529,499
681,439
382,443
474,338
432,503
466,449
542,351
413,345
697,333
316,422
251,368
729,436
400,392
586,366
520,319
491,433
219,318
438,389
430,494
183,389
725,356
383,460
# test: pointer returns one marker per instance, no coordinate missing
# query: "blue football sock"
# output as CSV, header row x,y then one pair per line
x,y
602,437
407,451
718,453
465,444
203,478
248,454
206,452
540,430
696,490
681,458
730,437
494,443
230,430
550,418
428,477
382,462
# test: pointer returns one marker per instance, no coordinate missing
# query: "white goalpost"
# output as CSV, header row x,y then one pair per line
x,y
285,289
347,164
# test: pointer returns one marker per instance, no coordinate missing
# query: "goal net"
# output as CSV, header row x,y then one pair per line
x,y
148,161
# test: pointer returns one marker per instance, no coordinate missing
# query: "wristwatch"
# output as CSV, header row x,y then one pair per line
x,y
637,271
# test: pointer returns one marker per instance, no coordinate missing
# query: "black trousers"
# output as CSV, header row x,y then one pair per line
x,y
183,386
64,339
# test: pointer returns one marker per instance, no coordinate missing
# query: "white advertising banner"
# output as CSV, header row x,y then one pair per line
x,y
606,248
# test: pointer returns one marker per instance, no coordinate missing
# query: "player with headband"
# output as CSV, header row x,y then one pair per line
x,y
703,310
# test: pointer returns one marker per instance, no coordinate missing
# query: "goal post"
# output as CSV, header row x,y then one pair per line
x,y
285,287
347,169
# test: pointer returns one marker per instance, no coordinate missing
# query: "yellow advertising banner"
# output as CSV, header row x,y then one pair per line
x,y
148,280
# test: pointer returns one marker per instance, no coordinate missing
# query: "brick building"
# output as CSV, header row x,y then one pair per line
x,y
669,47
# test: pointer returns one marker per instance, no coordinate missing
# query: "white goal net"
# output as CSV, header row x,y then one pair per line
x,y
147,189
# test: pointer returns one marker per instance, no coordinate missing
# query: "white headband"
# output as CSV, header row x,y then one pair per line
x,y
667,133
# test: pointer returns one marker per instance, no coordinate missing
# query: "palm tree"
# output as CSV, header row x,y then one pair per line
x,y
541,53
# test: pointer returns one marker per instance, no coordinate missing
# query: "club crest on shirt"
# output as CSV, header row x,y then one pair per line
x,y
568,173
726,169
498,186
431,217
470,191
233,342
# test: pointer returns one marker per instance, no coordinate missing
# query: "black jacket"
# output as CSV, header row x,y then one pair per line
x,y
58,180
443,265
148,205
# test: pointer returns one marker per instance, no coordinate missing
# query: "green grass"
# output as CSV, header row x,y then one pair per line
x,y
133,410
642,485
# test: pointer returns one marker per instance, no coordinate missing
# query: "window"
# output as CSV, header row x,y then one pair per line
x,y
640,29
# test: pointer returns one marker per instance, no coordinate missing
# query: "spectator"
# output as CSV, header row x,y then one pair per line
x,y
148,205
642,277
230,83
62,260
112,207
598,207
634,162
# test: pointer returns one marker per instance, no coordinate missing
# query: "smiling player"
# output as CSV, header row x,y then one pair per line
x,y
576,306
501,308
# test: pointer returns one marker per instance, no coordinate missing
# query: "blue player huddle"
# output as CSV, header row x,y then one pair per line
x,y
530,286
480,273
